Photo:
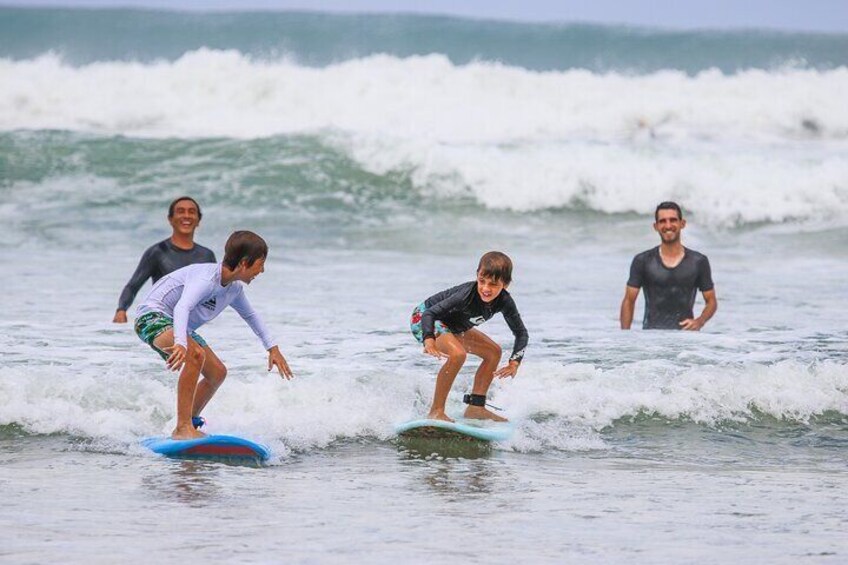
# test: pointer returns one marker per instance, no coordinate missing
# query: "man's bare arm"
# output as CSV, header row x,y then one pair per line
x,y
710,307
628,305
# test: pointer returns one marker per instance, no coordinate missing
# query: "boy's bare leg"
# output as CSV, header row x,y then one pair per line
x,y
481,345
214,372
450,345
186,384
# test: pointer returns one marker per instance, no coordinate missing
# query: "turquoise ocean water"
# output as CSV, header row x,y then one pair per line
x,y
380,156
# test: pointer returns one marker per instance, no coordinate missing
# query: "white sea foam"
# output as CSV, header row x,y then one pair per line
x,y
756,146
555,406
722,186
707,394
222,93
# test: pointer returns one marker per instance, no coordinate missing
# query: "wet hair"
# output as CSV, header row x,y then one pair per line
x,y
496,265
181,198
668,205
244,246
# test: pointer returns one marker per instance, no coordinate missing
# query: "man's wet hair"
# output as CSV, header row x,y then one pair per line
x,y
496,265
181,198
668,205
244,246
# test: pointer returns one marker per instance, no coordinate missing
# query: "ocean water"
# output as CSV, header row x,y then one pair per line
x,y
380,157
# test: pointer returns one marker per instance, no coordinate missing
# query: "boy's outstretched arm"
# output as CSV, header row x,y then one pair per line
x,y
516,325
508,370
276,358
242,305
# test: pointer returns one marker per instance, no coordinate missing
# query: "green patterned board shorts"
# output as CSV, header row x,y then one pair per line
x,y
150,325
415,324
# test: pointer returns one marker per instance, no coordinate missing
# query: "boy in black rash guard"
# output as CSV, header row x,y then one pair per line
x,y
671,275
168,255
445,322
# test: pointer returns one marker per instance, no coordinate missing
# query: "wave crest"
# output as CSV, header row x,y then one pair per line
x,y
208,93
726,146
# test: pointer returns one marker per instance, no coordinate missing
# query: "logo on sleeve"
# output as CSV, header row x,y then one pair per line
x,y
477,321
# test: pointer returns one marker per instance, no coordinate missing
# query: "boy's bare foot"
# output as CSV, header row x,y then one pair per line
x,y
186,432
438,415
480,413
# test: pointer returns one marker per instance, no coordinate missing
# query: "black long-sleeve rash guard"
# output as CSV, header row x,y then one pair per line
x,y
159,260
460,308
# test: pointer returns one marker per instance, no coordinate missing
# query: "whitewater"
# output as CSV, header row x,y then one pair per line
x,y
510,138
379,166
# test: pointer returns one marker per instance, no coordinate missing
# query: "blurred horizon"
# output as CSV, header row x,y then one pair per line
x,y
818,16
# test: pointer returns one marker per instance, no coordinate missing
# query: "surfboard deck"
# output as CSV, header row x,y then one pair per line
x,y
480,430
209,447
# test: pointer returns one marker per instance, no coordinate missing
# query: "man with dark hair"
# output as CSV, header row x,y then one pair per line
x,y
168,255
671,276
183,301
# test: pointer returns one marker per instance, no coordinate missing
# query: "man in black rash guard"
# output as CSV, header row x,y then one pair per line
x,y
168,255
671,276
445,324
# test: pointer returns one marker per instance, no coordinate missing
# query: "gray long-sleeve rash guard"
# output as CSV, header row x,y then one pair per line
x,y
159,260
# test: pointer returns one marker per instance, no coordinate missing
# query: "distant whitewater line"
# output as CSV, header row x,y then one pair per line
x,y
315,39
226,94
753,146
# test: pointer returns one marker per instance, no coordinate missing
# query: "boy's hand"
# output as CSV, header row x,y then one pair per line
x,y
431,349
276,358
176,358
507,370
120,317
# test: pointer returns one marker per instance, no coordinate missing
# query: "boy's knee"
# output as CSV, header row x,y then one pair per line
x,y
220,374
458,356
496,352
195,354
214,371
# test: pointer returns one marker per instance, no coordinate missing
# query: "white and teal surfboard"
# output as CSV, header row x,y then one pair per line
x,y
481,430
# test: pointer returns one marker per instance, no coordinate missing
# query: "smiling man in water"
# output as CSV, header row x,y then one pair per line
x,y
168,255
671,276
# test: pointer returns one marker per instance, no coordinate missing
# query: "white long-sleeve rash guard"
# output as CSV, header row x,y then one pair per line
x,y
193,295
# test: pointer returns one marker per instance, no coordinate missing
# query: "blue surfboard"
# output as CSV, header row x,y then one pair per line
x,y
482,430
209,447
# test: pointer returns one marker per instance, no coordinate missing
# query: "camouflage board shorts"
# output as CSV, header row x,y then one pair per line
x,y
150,325
415,324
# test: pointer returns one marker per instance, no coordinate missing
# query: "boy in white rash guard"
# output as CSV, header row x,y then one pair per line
x,y
182,301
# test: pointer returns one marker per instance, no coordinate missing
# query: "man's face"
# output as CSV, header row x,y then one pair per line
x,y
185,219
669,225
